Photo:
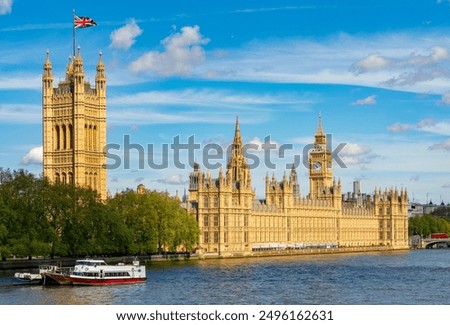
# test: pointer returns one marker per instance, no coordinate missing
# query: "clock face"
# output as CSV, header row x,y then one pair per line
x,y
317,166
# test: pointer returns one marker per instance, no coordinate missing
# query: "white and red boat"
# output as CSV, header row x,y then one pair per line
x,y
98,272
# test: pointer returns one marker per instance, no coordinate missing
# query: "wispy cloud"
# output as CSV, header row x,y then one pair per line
x,y
210,97
20,113
445,145
412,69
370,100
428,125
153,117
400,127
173,180
386,60
22,82
30,27
268,9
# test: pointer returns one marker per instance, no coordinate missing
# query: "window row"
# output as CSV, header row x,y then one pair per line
x,y
64,137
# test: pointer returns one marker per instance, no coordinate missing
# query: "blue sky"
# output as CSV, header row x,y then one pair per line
x,y
378,72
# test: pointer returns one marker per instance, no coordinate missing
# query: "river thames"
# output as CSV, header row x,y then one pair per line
x,y
416,277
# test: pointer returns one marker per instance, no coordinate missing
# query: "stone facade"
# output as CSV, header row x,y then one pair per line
x,y
74,127
233,222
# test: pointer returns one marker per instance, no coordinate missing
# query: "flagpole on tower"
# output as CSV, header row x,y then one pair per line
x,y
80,22
73,33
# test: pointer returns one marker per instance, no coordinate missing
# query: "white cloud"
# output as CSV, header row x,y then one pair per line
x,y
445,145
173,180
21,82
5,7
372,62
400,127
425,125
257,145
125,37
370,100
34,156
21,113
445,98
410,70
355,154
210,97
183,52
434,127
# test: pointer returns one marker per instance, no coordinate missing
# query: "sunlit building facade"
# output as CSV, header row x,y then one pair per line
x,y
233,222
74,126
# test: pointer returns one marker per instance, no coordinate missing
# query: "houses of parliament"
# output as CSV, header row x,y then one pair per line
x,y
231,220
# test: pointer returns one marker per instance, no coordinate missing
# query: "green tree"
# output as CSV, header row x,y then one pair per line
x,y
23,226
427,224
157,222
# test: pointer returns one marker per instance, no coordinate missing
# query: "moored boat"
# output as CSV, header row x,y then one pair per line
x,y
28,278
57,275
98,272
34,278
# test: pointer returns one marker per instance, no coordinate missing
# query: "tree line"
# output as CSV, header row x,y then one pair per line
x,y
38,218
436,222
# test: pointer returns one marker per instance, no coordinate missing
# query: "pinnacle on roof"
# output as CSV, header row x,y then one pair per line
x,y
319,126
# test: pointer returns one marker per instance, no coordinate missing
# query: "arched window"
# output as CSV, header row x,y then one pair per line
x,y
216,201
94,138
64,136
57,138
90,137
71,140
64,178
71,178
205,201
85,140
57,178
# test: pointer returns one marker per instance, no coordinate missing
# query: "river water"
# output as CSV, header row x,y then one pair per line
x,y
416,277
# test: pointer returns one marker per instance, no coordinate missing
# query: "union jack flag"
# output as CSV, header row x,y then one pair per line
x,y
83,22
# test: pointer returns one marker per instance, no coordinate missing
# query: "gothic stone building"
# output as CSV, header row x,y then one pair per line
x,y
233,222
74,126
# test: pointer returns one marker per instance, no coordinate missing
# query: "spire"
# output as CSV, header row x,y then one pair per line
x,y
237,134
319,126
69,69
100,64
100,77
48,67
237,146
320,137
237,160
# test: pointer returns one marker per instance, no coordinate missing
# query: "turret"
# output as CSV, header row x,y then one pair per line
x,y
78,74
100,78
47,77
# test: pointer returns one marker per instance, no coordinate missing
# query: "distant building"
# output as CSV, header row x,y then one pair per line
x,y
415,209
233,222
429,208
74,127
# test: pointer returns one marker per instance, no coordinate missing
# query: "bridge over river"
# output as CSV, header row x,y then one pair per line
x,y
436,243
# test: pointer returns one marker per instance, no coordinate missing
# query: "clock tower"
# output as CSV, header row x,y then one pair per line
x,y
320,166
